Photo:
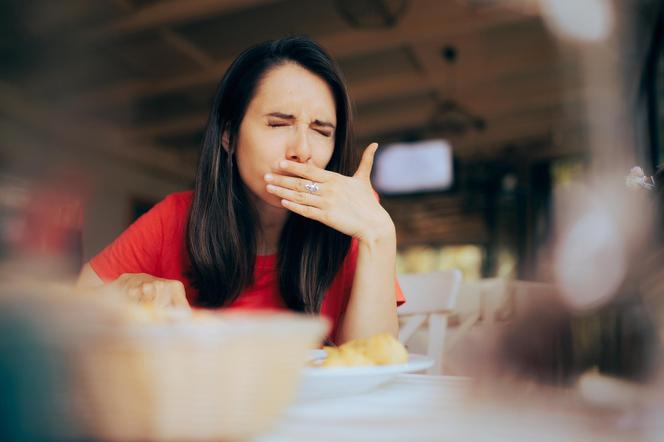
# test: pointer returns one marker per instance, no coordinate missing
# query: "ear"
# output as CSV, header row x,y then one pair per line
x,y
225,141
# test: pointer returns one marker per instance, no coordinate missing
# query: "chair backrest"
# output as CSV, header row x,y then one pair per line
x,y
430,298
483,299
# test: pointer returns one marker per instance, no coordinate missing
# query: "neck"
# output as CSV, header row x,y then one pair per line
x,y
271,220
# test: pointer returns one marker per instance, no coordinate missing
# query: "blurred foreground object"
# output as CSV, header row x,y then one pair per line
x,y
130,377
587,20
609,313
636,179
41,223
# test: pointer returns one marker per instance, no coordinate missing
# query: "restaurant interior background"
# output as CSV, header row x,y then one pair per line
x,y
109,99
545,105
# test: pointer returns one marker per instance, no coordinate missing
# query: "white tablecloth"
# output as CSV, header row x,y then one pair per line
x,y
416,408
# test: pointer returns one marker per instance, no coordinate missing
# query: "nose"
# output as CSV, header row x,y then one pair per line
x,y
298,148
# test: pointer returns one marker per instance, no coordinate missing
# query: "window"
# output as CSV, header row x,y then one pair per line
x,y
421,259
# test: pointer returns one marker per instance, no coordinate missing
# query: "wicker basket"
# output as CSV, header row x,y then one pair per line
x,y
227,379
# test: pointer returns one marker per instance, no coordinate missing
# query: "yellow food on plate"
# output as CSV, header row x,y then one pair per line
x,y
382,349
345,357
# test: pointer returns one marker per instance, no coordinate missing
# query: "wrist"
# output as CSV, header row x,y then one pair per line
x,y
379,235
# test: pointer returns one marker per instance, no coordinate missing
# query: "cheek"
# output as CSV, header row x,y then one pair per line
x,y
323,155
247,164
254,156
256,153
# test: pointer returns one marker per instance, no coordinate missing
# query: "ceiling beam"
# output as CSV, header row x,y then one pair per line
x,y
68,130
176,126
174,39
186,47
167,13
416,115
502,128
426,23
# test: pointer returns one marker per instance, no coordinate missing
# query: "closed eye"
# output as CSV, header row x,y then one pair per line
x,y
324,133
279,124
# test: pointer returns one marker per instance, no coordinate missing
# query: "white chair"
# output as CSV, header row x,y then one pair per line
x,y
430,298
487,303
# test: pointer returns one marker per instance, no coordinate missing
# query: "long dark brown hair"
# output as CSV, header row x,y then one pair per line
x,y
223,224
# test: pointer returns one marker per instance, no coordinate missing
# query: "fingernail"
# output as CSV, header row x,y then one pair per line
x,y
268,177
270,188
283,164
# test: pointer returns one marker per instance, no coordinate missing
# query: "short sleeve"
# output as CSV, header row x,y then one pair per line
x,y
401,299
139,248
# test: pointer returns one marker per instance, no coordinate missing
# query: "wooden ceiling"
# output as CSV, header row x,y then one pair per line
x,y
486,77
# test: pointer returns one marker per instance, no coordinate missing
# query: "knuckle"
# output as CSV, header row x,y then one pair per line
x,y
161,300
177,285
148,288
125,277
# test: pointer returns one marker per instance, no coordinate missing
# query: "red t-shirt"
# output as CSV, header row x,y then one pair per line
x,y
155,244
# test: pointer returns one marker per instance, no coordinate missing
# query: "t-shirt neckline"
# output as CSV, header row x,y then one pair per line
x,y
266,260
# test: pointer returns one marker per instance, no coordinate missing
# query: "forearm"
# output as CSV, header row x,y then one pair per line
x,y
372,305
88,278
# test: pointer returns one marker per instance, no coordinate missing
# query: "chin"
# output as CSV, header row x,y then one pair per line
x,y
272,200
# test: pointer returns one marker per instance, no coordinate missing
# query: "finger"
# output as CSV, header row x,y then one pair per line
x,y
366,164
134,293
180,301
304,198
306,211
162,296
162,299
308,171
289,182
178,295
148,292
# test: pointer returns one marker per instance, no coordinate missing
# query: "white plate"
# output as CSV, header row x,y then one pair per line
x,y
319,383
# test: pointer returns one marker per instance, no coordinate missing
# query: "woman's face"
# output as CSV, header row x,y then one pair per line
x,y
292,116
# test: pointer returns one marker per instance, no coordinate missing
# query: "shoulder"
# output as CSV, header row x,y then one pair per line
x,y
171,212
178,199
177,203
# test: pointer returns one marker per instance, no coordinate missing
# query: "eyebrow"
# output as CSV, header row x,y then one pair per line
x,y
292,117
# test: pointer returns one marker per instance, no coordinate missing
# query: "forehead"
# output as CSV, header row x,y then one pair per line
x,y
292,89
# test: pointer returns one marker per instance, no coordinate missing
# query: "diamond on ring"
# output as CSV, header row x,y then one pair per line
x,y
312,187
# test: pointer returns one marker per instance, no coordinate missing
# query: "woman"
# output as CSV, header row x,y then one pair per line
x,y
280,217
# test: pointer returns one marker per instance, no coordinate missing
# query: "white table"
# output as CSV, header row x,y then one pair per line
x,y
416,408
